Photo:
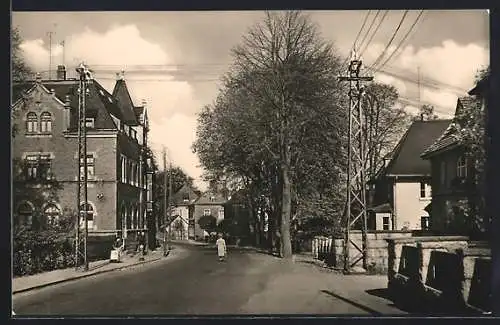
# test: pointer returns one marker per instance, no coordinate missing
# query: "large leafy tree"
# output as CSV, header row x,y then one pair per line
x,y
278,123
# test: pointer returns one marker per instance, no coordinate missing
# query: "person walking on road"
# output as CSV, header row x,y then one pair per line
x,y
221,248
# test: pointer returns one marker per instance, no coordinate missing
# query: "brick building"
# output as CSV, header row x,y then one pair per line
x,y
209,203
46,143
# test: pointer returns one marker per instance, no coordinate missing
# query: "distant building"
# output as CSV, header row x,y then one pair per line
x,y
183,212
451,174
46,145
402,188
209,203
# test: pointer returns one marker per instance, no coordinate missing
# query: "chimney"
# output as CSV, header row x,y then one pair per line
x,y
61,72
38,77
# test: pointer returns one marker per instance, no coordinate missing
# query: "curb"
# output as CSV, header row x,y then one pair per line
x,y
86,275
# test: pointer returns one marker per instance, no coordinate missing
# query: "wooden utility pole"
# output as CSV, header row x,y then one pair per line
x,y
356,182
164,202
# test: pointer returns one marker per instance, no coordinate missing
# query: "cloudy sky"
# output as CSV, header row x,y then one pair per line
x,y
174,59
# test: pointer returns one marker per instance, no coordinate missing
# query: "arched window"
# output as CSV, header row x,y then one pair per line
x,y
51,215
31,123
90,215
25,214
46,122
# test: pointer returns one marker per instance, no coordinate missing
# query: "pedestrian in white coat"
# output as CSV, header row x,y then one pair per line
x,y
221,248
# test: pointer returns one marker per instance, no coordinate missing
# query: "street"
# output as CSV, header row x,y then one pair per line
x,y
195,282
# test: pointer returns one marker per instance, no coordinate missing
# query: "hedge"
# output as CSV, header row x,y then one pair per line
x,y
35,252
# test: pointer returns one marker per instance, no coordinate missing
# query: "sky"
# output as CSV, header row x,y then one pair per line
x,y
174,60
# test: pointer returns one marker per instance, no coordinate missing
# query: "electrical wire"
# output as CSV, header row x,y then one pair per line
x,y
402,40
379,58
357,37
375,32
369,29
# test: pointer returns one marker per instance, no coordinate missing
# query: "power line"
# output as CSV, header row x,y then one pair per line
x,y
361,29
403,39
369,30
357,37
374,32
389,43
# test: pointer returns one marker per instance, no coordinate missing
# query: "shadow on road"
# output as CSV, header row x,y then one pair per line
x,y
355,304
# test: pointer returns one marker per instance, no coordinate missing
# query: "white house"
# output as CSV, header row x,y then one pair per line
x,y
403,187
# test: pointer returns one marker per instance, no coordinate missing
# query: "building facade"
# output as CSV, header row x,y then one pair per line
x,y
209,203
452,175
183,224
45,147
402,188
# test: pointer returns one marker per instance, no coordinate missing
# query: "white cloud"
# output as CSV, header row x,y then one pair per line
x,y
446,71
170,103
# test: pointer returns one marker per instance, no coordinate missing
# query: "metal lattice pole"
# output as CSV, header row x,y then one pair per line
x,y
356,183
85,78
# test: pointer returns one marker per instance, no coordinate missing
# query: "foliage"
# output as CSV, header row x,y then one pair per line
x,y
278,124
469,124
179,178
208,223
20,70
39,251
426,113
384,124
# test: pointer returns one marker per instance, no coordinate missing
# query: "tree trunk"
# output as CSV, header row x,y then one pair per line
x,y
286,211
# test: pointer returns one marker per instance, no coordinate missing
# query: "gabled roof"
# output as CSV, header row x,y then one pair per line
x,y
179,196
449,137
406,159
382,208
206,199
100,103
122,95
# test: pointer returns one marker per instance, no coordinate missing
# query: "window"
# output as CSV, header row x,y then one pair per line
x,y
462,167
89,122
442,173
25,214
185,197
385,223
46,122
51,214
425,190
38,166
221,213
206,212
90,213
123,161
90,167
31,123
425,222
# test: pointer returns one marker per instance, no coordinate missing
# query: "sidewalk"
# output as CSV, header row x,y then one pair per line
x,y
40,280
300,287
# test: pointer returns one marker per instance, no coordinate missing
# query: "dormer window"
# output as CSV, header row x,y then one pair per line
x,y
89,122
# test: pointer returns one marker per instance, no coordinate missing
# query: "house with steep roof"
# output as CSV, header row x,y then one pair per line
x,y
402,187
46,142
183,213
209,203
451,173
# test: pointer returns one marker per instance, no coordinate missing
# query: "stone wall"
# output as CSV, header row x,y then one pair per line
x,y
332,250
439,272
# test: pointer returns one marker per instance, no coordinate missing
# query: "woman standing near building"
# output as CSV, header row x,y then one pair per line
x,y
221,248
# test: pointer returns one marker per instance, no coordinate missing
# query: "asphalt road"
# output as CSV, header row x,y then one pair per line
x,y
194,282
